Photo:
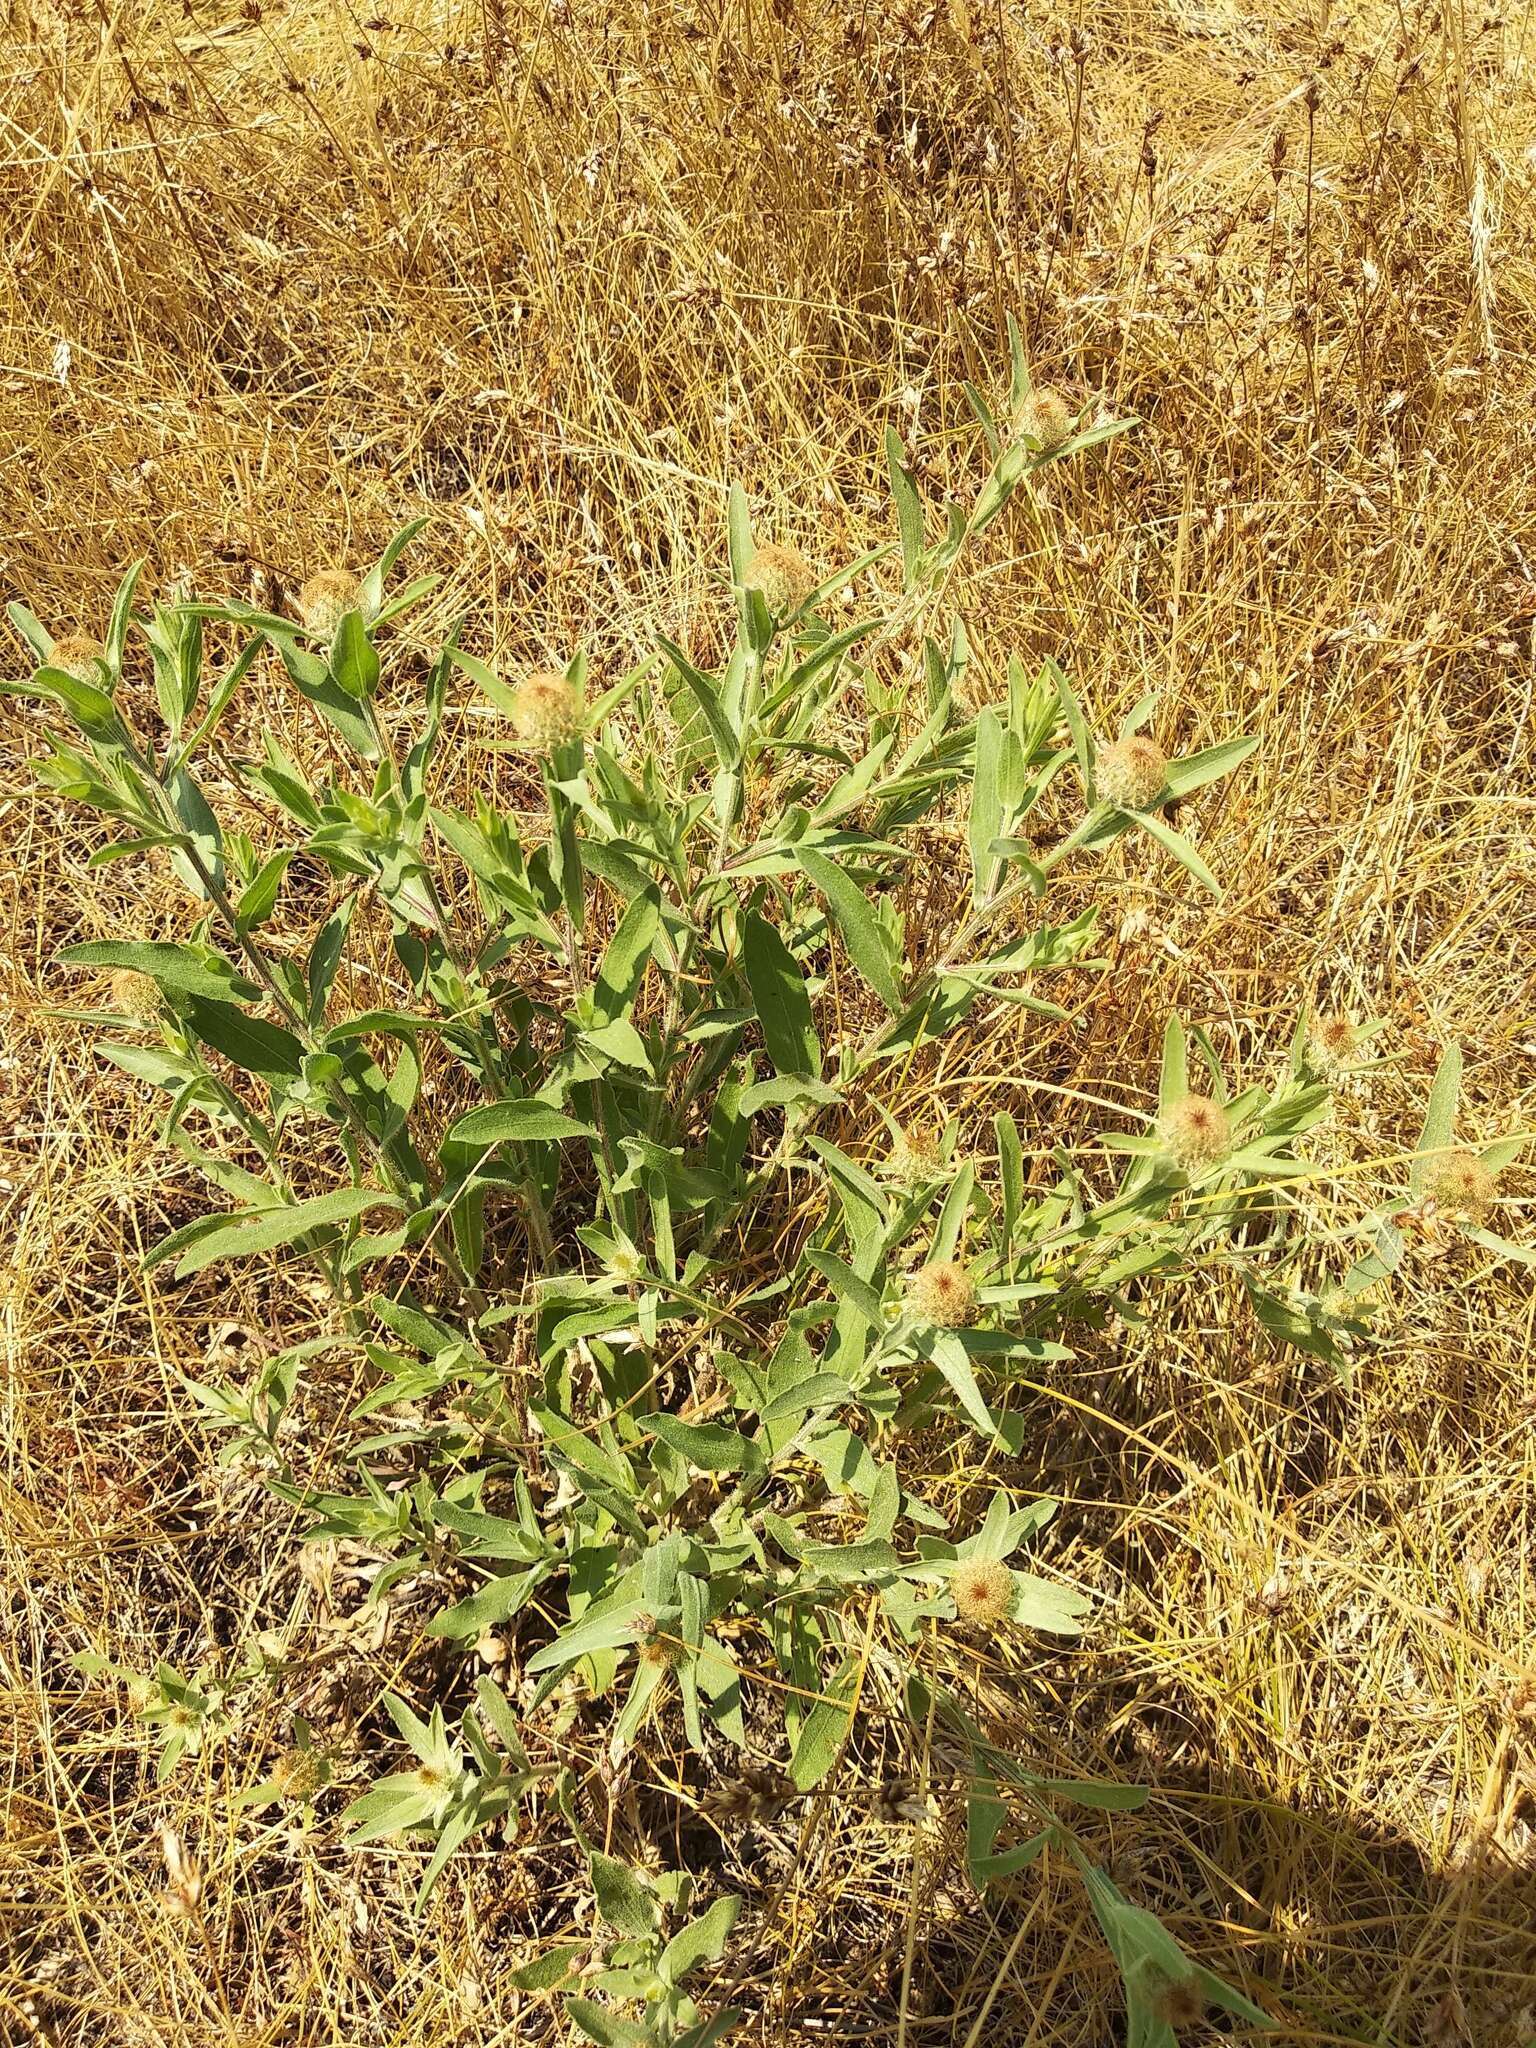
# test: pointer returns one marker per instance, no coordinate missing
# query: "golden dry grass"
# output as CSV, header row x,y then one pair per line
x,y
556,274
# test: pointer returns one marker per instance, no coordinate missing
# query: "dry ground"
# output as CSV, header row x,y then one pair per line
x,y
277,277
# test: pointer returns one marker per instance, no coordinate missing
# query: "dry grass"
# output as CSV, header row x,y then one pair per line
x,y
554,275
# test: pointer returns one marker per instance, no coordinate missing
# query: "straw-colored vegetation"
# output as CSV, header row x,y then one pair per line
x,y
278,278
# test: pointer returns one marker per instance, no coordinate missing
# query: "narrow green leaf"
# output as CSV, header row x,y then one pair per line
x,y
624,1902
909,507
514,1122
856,922
260,1048
825,1729
709,1445
780,997
268,1230
354,659
727,747
1158,828
184,968
1439,1116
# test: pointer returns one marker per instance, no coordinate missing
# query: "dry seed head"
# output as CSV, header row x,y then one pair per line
x,y
298,1775
1331,1042
79,656
913,1161
1047,416
1131,773
982,1589
1461,1185
135,995
546,710
1196,1133
943,1294
325,600
784,578
1182,2002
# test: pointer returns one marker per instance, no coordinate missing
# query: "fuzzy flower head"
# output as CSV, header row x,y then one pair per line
x,y
79,656
547,710
299,1774
1196,1133
136,996
655,1645
914,1161
1331,1041
1131,773
943,1294
1461,1185
1181,2002
783,578
982,1589
325,600
1047,416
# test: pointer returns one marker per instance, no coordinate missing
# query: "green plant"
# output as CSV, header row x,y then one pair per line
x,y
667,1031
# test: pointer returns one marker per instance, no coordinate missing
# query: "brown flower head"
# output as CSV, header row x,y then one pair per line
x,y
325,599
1196,1133
1131,773
914,1161
1331,1041
943,1294
1182,2002
982,1589
1047,416
1461,1185
136,996
547,710
784,579
79,656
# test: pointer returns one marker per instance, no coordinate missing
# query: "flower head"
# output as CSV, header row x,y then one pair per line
x,y
547,710
943,1294
325,600
135,995
1047,416
299,1774
79,656
914,1161
655,1645
1182,2002
1196,1133
1461,1185
982,1589
783,578
1331,1041
1131,773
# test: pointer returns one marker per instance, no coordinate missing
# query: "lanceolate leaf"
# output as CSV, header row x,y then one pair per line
x,y
780,998
173,967
1439,1116
522,1122
856,921
270,1229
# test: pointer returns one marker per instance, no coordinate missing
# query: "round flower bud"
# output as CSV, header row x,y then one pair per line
x,y
1131,773
1461,1185
982,1589
547,710
1196,1133
136,996
325,600
914,1161
299,1774
79,656
1047,417
1181,2002
784,579
1331,1043
943,1294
